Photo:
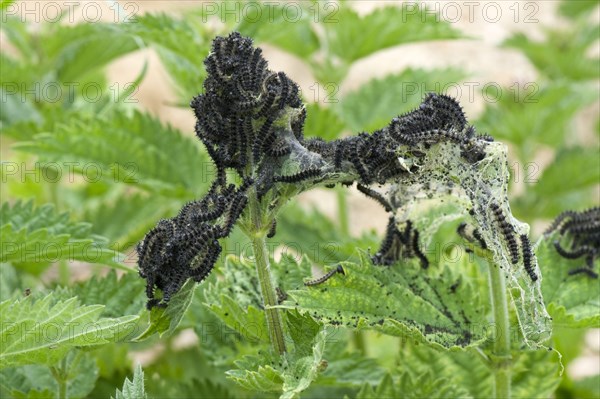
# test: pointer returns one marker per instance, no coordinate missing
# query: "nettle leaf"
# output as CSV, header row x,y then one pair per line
x,y
288,27
311,233
133,389
136,150
572,301
352,37
534,373
42,332
554,57
37,236
322,122
548,196
136,213
288,375
36,381
573,9
78,49
236,301
165,320
424,386
374,103
401,300
120,296
533,113
181,45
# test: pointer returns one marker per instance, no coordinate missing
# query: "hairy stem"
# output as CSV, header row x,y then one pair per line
x,y
342,210
59,374
256,231
501,362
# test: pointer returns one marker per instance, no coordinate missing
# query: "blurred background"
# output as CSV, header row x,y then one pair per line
x,y
525,72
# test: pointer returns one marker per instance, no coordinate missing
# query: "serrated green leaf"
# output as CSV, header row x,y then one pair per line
x,y
166,320
352,37
120,296
36,381
322,122
285,26
534,114
311,233
533,373
39,236
287,375
572,301
424,386
573,9
399,300
181,45
136,150
549,194
133,389
554,57
374,103
39,332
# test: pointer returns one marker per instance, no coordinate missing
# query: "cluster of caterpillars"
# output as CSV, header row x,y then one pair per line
x,y
578,235
187,245
250,120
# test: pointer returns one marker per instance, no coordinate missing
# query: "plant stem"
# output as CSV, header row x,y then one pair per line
x,y
257,235
59,375
342,211
501,362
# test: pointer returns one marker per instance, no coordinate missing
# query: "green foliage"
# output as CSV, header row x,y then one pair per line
x,y
400,300
572,301
133,389
27,324
374,331
33,237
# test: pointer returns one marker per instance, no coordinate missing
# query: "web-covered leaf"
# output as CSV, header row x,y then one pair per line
x,y
374,103
133,389
36,236
572,301
26,323
136,150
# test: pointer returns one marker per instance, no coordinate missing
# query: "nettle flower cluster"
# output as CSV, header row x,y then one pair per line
x,y
251,121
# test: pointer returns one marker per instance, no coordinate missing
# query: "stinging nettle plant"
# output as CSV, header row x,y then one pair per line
x,y
251,121
452,299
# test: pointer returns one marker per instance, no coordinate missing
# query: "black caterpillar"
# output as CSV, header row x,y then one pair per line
x,y
250,120
578,235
